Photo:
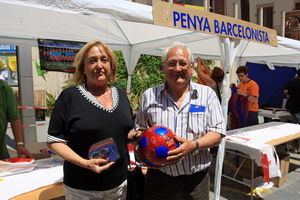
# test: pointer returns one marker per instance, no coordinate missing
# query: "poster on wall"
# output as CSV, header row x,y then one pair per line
x,y
8,64
58,55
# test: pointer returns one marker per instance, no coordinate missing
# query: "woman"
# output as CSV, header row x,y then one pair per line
x,y
212,79
88,113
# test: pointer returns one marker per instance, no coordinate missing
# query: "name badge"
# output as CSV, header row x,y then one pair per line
x,y
196,108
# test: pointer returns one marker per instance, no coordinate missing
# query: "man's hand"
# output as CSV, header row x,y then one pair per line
x,y
240,92
231,86
186,147
23,152
141,160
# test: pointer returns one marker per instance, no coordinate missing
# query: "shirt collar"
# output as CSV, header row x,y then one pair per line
x,y
193,90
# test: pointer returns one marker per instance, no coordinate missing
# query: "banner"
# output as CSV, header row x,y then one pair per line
x,y
58,55
7,48
186,18
8,64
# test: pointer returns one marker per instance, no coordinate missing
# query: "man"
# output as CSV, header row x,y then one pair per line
x,y
194,113
293,91
9,112
250,90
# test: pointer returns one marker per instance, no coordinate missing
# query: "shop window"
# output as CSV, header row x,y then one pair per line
x,y
297,6
267,16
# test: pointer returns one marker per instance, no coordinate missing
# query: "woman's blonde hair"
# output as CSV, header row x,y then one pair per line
x,y
79,76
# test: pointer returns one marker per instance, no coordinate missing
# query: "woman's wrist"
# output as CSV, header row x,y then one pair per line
x,y
136,136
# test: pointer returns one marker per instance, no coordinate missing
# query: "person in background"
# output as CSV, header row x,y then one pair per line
x,y
9,112
292,91
250,90
85,115
212,79
193,112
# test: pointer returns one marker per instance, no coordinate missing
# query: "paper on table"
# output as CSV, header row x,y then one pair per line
x,y
14,185
258,136
237,139
14,166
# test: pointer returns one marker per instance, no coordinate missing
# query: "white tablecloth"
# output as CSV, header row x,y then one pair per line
x,y
276,115
46,173
252,140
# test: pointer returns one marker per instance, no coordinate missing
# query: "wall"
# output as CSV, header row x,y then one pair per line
x,y
278,7
52,82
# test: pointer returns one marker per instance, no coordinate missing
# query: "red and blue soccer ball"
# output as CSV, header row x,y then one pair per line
x,y
155,143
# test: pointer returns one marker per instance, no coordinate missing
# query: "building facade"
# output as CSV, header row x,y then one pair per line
x,y
276,14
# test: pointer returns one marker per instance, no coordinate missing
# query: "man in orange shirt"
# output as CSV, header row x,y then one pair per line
x,y
249,89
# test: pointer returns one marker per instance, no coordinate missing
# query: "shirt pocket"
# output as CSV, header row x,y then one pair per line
x,y
196,124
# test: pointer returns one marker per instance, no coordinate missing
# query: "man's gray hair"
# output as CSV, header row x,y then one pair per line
x,y
176,44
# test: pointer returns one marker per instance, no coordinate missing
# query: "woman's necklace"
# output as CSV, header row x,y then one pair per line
x,y
104,95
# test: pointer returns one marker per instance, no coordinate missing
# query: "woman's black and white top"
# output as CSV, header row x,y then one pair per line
x,y
79,120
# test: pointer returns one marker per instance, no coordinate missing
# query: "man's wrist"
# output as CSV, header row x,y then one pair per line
x,y
20,143
247,95
197,144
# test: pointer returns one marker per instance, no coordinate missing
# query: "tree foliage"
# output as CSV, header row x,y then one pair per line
x,y
146,74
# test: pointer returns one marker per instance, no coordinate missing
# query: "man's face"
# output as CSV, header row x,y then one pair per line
x,y
242,77
178,68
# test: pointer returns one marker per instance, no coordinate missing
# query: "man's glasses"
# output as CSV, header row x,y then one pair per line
x,y
182,64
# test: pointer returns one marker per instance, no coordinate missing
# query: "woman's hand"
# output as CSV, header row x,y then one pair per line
x,y
98,165
135,135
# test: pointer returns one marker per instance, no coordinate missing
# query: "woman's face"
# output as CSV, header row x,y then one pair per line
x,y
97,66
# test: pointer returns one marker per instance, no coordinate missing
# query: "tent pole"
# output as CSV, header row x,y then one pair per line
x,y
128,90
228,49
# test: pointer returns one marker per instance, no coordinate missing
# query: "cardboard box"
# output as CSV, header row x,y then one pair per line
x,y
245,170
284,168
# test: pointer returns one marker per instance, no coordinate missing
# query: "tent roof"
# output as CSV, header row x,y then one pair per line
x,y
124,25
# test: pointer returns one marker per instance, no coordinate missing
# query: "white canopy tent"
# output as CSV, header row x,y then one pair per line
x,y
128,27
124,26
